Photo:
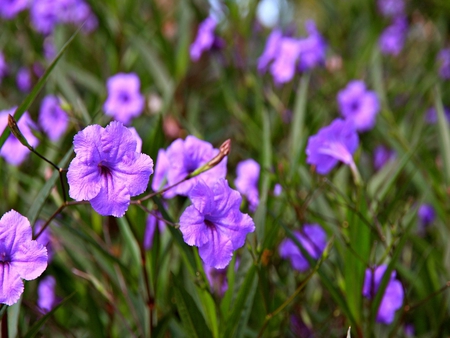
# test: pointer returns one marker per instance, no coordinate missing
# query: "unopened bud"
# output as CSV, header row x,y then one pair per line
x,y
17,133
224,150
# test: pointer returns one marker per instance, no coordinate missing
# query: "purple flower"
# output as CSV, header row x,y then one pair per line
x,y
217,279
312,238
391,8
277,189
271,50
20,256
312,48
204,40
52,118
359,105
381,156
107,170
49,49
44,15
10,8
426,215
137,138
214,222
184,157
392,39
431,115
13,151
336,142
247,181
150,229
284,66
23,79
161,168
124,101
3,67
393,294
444,63
46,294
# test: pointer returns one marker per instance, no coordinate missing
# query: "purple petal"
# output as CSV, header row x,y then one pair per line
x,y
218,251
202,197
30,260
113,198
193,227
11,286
15,230
84,180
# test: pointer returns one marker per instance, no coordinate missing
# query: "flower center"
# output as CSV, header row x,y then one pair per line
x,y
124,97
104,169
209,224
4,258
354,106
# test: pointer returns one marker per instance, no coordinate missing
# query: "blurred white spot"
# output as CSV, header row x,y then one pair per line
x,y
268,12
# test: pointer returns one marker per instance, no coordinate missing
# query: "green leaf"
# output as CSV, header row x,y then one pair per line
x,y
444,134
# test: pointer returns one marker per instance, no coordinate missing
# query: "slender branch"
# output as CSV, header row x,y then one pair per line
x,y
153,213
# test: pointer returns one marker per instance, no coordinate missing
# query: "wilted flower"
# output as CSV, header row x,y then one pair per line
x,y
204,40
52,118
107,170
444,63
247,181
46,294
150,228
393,294
10,8
124,101
271,50
426,215
23,79
336,142
358,105
391,8
312,238
381,156
13,151
214,222
312,48
392,39
20,256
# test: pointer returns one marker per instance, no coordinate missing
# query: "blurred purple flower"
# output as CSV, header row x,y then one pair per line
x,y
391,8
10,8
393,38
23,79
444,63
124,101
44,15
312,48
13,151
277,189
313,239
107,170
52,118
247,181
3,67
49,49
393,295
431,115
214,222
426,215
271,50
150,229
358,105
46,294
336,142
184,157
20,256
381,156
217,279
204,40
284,66
44,238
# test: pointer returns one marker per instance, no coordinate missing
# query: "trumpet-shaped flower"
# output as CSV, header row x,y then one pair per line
x,y
312,48
52,118
214,222
336,142
313,239
20,256
284,66
204,40
270,50
247,181
107,170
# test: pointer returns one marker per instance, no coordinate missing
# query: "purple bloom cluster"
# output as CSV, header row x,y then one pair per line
x,y
124,101
336,142
393,38
214,222
107,169
391,8
10,8
20,256
52,118
381,156
204,40
393,294
289,55
358,105
247,181
444,63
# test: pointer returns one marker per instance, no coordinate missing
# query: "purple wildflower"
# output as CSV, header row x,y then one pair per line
x,y
204,40
336,142
214,222
3,67
247,181
107,170
271,50
359,105
431,115
426,215
217,279
392,39
381,156
313,239
393,294
20,256
13,151
284,66
124,100
49,49
391,8
184,157
444,63
10,8
44,15
137,139
312,48
46,294
23,79
277,189
150,228
52,118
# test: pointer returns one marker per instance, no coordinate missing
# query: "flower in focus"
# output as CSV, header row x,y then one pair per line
x,y
13,151
312,48
247,181
52,118
137,138
107,170
392,39
444,63
336,142
204,40
312,238
46,294
359,105
381,156
184,156
393,294
271,50
284,66
391,8
10,8
426,215
23,79
214,222
20,256
150,228
124,101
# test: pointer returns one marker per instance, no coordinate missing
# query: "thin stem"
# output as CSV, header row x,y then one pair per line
x,y
5,324
153,213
